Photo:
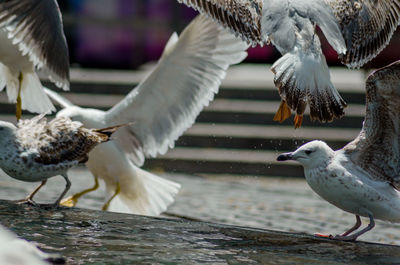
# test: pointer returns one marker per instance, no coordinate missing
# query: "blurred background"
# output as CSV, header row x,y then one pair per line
x,y
125,34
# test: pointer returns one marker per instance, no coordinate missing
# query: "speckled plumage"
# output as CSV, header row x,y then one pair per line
x,y
36,150
377,148
367,27
242,16
362,178
357,30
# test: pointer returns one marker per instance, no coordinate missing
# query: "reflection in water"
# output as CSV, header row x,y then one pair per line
x,y
270,203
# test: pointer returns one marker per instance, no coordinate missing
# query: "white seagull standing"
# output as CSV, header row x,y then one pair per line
x,y
36,150
363,178
357,30
161,108
31,37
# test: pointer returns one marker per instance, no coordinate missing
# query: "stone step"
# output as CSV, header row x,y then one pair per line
x,y
242,82
224,161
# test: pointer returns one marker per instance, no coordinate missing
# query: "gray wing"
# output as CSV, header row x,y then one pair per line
x,y
377,147
185,80
243,17
367,27
36,26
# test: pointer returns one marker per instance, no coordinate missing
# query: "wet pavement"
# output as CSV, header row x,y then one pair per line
x,y
96,237
270,203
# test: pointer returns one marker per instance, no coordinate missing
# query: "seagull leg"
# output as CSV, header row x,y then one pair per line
x,y
117,191
71,201
19,103
283,112
29,199
67,186
355,227
354,236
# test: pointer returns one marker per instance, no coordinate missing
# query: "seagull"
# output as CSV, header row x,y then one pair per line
x,y
17,251
363,178
160,108
31,37
357,30
36,150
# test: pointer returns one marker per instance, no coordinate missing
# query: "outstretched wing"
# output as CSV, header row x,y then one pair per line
x,y
36,26
377,147
60,100
185,80
367,27
243,17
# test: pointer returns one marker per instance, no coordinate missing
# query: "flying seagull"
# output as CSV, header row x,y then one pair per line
x,y
161,108
36,150
357,30
31,37
363,178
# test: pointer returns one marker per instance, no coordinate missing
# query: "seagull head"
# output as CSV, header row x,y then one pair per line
x,y
311,155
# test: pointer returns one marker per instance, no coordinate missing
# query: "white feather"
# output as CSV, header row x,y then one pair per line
x,y
145,194
165,104
186,79
15,251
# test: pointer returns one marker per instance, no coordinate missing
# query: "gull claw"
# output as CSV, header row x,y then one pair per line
x,y
298,120
71,201
28,201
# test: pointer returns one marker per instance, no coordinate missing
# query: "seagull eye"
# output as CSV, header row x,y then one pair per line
x,y
308,152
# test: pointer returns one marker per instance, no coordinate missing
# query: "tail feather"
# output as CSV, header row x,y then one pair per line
x,y
303,78
34,99
143,193
108,131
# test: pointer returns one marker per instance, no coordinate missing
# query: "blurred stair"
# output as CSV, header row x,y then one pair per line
x,y
236,133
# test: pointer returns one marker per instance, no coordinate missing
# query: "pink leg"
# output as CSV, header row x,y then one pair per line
x,y
354,236
355,227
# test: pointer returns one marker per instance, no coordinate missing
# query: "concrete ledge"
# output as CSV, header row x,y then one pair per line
x,y
95,237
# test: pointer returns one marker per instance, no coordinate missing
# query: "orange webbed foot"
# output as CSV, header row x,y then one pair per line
x,y
323,236
298,120
283,112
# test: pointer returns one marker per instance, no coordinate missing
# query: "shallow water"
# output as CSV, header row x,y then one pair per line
x,y
268,203
95,237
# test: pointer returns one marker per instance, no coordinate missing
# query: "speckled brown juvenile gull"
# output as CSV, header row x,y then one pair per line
x,y
357,29
36,150
363,178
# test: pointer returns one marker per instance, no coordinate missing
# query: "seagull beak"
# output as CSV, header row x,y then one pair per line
x,y
285,156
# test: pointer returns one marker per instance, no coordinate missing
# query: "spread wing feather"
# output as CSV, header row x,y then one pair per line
x,y
185,80
367,27
36,26
377,147
243,17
